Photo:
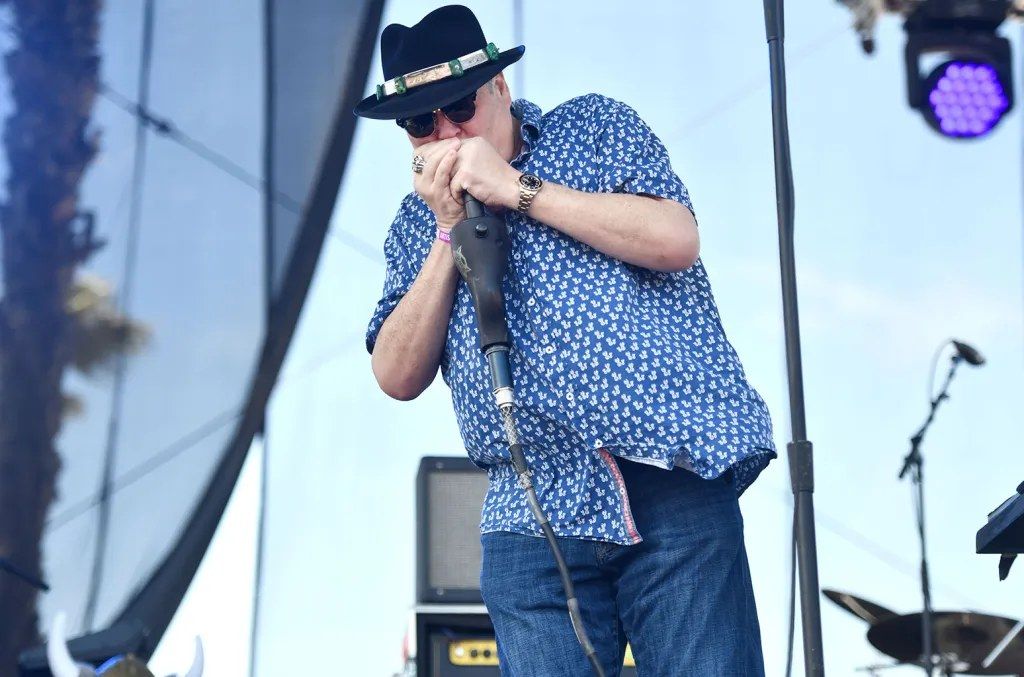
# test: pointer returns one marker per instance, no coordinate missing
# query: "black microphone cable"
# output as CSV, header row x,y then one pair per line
x,y
480,248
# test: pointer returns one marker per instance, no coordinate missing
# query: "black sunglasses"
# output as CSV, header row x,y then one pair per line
x,y
458,112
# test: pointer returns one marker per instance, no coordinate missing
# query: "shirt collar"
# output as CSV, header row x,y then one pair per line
x,y
528,114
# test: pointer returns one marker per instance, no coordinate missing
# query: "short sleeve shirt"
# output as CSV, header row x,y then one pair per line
x,y
609,360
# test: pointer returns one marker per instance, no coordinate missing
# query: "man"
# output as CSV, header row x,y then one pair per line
x,y
635,415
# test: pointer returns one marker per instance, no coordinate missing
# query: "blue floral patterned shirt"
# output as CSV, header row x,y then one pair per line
x,y
609,360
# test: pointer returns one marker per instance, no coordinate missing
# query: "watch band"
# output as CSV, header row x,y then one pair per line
x,y
527,193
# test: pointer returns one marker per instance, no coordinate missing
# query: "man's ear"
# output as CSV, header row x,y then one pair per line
x,y
500,84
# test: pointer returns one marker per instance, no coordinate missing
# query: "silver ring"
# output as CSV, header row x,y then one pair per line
x,y
417,163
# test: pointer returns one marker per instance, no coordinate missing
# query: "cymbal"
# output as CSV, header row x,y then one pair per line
x,y
860,607
971,637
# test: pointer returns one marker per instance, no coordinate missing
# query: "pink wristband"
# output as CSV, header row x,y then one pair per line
x,y
444,236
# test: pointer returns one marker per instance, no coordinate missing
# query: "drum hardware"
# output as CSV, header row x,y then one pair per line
x,y
965,642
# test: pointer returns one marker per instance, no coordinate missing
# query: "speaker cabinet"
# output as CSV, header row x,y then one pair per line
x,y
449,497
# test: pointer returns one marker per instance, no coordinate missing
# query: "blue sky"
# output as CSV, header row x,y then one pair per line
x,y
904,239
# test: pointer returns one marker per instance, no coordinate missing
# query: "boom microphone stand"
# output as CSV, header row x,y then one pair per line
x,y
800,450
480,248
914,463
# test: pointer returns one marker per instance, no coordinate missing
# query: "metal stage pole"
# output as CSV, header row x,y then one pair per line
x,y
800,450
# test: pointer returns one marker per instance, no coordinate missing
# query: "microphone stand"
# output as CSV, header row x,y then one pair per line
x,y
913,463
480,248
800,450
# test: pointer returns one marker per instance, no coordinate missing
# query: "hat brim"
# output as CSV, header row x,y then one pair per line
x,y
437,94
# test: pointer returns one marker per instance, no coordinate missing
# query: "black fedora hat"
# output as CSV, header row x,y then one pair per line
x,y
437,61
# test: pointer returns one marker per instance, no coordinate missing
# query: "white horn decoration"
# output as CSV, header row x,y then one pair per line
x,y
57,654
197,663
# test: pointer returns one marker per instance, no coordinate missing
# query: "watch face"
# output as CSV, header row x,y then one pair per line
x,y
530,182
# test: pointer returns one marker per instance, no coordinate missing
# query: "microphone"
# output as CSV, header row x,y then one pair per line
x,y
480,247
969,354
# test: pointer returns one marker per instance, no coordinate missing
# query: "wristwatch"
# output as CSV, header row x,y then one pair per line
x,y
529,186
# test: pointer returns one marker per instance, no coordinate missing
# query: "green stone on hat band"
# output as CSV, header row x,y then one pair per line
x,y
442,71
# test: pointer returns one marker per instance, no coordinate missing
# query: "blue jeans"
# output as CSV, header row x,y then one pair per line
x,y
682,598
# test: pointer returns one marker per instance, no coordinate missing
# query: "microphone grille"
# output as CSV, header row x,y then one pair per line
x,y
969,353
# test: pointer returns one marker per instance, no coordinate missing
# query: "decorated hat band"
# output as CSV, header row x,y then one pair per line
x,y
452,69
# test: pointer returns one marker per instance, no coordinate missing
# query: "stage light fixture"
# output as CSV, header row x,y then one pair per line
x,y
966,87
971,88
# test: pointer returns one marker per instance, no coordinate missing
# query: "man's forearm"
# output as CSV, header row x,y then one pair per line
x,y
410,343
653,233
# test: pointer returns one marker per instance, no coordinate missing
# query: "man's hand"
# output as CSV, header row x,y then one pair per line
x,y
481,171
434,184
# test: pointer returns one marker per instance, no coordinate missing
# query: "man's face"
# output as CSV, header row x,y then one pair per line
x,y
492,121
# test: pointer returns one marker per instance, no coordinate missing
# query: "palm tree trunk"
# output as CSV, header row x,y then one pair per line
x,y
53,74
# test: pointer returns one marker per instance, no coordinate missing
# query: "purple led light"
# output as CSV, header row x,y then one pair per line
x,y
967,99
